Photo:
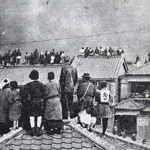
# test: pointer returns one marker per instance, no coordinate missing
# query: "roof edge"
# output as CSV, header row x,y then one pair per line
x,y
91,136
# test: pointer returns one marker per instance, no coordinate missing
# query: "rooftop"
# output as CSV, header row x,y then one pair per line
x,y
128,105
72,137
100,67
21,73
142,70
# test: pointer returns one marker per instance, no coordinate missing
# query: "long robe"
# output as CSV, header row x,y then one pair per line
x,y
53,107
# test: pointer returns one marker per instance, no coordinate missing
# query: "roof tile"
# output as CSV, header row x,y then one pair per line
x,y
99,67
56,146
67,145
68,140
76,145
26,141
24,146
17,142
46,142
56,140
33,146
46,147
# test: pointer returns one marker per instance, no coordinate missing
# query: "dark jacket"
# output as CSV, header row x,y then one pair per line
x,y
68,78
32,95
85,102
4,105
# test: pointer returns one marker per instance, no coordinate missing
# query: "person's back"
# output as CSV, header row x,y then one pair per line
x,y
68,79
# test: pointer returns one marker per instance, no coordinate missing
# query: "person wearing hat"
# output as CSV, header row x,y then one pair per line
x,y
104,101
85,93
4,107
68,79
53,108
32,100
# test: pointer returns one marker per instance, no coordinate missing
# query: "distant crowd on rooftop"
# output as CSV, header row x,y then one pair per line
x,y
35,57
88,51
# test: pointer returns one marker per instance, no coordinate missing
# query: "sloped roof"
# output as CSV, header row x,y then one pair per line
x,y
128,105
142,70
21,73
99,67
69,139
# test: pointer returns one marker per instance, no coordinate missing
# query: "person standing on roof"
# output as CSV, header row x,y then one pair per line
x,y
53,108
104,101
85,93
68,79
32,100
36,56
4,107
18,57
14,105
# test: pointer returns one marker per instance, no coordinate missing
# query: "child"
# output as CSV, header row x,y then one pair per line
x,y
15,105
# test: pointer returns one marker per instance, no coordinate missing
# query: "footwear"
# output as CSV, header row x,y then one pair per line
x,y
50,132
32,131
38,131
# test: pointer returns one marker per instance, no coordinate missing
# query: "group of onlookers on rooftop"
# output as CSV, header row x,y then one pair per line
x,y
15,58
88,51
36,105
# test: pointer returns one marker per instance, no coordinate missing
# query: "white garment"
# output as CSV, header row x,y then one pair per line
x,y
82,51
86,118
104,93
52,59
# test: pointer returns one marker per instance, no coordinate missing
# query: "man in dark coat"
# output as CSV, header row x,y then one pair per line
x,y
68,79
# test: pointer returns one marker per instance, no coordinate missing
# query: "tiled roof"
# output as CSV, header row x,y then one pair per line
x,y
128,105
69,139
99,67
21,73
142,70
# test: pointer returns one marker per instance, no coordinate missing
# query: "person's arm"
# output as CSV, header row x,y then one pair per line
x,y
62,77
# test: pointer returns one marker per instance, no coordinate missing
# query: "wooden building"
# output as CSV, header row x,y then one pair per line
x,y
135,86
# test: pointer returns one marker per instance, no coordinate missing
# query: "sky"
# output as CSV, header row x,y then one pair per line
x,y
69,25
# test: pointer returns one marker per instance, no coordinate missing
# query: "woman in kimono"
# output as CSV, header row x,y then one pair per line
x,y
32,99
14,104
53,108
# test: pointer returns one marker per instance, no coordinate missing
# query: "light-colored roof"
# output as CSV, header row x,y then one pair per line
x,y
142,70
21,73
128,105
99,67
72,137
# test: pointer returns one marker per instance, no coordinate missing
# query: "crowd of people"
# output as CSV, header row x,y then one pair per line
x,y
15,58
88,51
35,105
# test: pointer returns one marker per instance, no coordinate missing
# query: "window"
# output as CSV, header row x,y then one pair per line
x,y
140,87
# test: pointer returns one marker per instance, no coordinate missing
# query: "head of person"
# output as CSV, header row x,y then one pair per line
x,y
86,76
103,84
5,83
34,75
51,76
67,59
13,85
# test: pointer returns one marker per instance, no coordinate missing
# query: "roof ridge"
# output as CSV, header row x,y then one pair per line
x,y
124,101
139,67
97,141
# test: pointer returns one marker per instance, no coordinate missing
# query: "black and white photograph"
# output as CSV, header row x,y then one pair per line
x,y
74,74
